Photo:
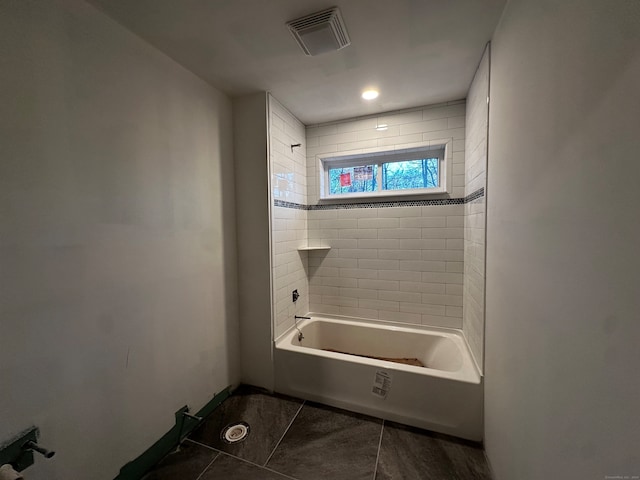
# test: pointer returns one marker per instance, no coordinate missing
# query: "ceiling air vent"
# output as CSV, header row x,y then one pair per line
x,y
320,32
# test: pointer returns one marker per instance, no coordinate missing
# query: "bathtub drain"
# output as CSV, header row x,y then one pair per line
x,y
236,432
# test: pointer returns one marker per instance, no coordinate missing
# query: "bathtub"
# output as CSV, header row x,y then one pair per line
x,y
445,395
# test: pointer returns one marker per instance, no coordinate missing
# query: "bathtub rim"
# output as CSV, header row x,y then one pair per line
x,y
470,373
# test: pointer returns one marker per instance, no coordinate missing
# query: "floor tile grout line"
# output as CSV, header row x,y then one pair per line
x,y
285,432
285,476
259,466
207,467
204,445
375,470
221,452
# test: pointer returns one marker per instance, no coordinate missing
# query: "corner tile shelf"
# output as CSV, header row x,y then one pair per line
x,y
309,249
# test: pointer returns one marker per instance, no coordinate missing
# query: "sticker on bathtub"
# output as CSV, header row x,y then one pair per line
x,y
381,384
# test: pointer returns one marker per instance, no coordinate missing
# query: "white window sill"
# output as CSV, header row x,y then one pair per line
x,y
387,194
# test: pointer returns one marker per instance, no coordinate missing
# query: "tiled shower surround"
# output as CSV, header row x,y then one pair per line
x,y
396,260
405,129
398,263
288,225
474,220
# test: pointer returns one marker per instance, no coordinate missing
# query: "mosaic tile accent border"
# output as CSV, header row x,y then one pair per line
x,y
297,206
474,196
400,203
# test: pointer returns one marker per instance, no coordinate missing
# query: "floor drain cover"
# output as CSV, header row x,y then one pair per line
x,y
236,432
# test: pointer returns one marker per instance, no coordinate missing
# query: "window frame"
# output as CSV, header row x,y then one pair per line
x,y
378,156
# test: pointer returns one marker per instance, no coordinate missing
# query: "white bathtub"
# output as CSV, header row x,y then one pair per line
x,y
445,396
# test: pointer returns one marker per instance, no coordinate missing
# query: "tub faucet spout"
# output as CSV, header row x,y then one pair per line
x,y
295,322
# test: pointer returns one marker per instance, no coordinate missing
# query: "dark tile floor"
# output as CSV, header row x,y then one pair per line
x,y
296,440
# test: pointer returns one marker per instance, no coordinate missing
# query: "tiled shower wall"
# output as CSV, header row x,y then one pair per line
x,y
474,214
400,263
406,129
288,225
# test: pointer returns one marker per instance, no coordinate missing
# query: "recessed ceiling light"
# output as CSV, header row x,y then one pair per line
x,y
382,127
370,94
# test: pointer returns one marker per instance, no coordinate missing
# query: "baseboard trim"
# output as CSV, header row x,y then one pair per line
x,y
135,469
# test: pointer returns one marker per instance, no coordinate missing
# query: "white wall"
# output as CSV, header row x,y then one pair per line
x,y
400,263
474,211
563,270
250,117
117,241
289,225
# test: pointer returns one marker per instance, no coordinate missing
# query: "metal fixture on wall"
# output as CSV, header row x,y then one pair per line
x,y
18,452
295,320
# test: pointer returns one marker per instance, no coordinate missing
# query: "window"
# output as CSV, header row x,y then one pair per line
x,y
409,171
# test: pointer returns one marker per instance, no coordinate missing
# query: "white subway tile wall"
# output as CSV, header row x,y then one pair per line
x,y
402,264
404,130
289,225
474,212
474,277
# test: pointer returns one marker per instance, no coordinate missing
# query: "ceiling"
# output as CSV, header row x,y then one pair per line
x,y
416,52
